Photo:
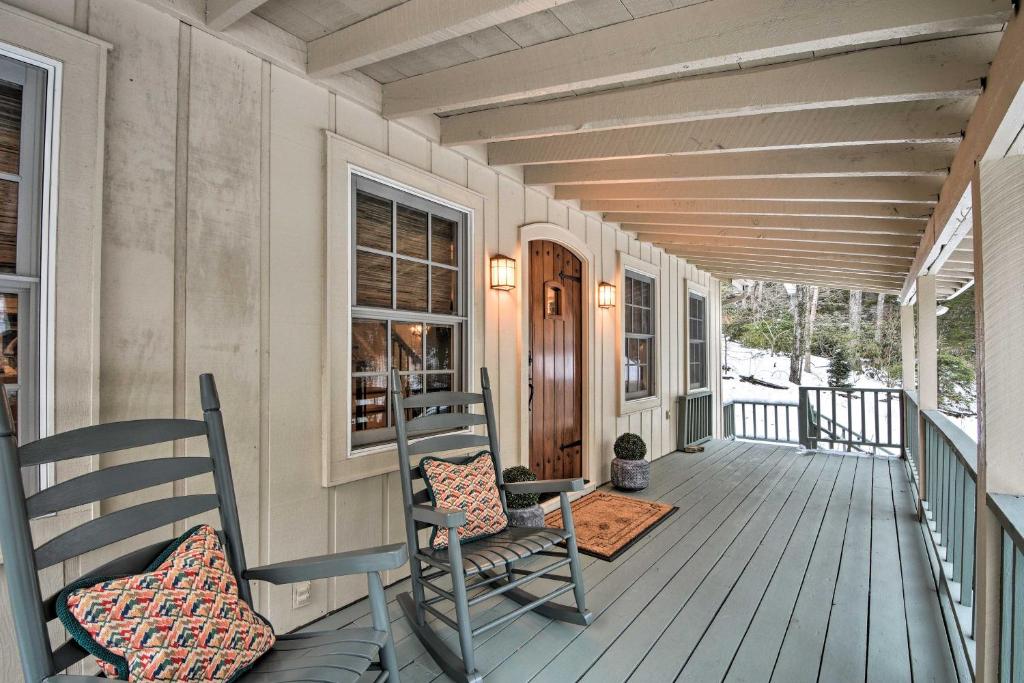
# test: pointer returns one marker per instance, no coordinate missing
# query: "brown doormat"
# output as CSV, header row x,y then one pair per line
x,y
607,524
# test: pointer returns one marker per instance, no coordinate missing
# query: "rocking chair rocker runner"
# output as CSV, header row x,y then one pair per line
x,y
335,656
484,567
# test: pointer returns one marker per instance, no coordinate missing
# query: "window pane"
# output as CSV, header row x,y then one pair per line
x,y
412,232
373,280
407,346
373,222
10,126
412,385
369,346
439,347
443,382
369,402
442,240
9,338
645,321
443,290
12,400
412,286
8,226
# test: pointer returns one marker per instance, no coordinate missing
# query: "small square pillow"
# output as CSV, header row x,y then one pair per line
x,y
181,620
472,487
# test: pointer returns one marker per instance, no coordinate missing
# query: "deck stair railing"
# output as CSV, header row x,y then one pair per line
x,y
861,419
774,421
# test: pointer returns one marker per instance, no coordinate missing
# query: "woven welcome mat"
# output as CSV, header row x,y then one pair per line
x,y
607,524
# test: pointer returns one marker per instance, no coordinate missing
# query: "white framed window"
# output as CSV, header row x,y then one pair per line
x,y
697,340
409,303
639,339
27,106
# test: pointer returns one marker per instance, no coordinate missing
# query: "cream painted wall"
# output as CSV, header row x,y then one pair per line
x,y
213,260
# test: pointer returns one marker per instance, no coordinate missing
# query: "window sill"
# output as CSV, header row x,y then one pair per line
x,y
636,405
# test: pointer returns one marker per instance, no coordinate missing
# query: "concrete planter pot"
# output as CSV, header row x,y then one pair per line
x,y
630,475
532,516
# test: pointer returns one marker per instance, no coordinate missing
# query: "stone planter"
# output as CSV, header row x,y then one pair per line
x,y
630,475
532,516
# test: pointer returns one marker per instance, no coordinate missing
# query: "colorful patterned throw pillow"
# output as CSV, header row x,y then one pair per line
x,y
472,487
181,620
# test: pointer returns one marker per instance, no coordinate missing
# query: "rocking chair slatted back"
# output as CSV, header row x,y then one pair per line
x,y
443,421
23,560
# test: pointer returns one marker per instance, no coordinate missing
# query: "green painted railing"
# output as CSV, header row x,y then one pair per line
x,y
696,412
910,435
851,419
774,421
1009,511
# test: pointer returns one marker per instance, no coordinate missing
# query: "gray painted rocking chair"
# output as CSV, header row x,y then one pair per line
x,y
482,569
335,656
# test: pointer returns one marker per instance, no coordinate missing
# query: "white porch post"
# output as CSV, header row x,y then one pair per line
x,y
998,207
908,336
927,369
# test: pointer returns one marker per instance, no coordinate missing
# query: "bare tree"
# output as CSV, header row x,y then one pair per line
x,y
879,317
856,307
812,313
796,353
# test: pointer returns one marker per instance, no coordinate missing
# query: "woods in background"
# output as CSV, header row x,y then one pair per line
x,y
859,332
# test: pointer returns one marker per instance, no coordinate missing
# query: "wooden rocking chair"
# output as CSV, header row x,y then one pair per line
x,y
335,656
484,567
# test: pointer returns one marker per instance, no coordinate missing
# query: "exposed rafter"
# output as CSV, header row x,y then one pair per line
x,y
823,265
937,69
897,122
914,190
410,26
702,37
222,13
772,236
669,222
746,207
783,255
832,162
754,245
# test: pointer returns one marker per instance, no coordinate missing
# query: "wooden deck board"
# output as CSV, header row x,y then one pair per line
x,y
777,566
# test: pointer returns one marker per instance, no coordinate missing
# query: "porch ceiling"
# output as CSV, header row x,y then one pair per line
x,y
803,139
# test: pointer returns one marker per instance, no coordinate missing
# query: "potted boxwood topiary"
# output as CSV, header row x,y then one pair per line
x,y
630,471
524,510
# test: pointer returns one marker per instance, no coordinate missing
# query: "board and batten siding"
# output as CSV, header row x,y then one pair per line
x,y
213,259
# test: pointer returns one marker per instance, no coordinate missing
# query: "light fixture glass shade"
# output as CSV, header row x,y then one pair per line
x,y
605,295
503,272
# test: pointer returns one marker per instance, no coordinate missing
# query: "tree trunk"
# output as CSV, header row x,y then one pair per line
x,y
796,353
812,313
879,317
856,307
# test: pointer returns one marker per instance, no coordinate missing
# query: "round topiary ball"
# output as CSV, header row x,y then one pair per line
x,y
515,474
630,446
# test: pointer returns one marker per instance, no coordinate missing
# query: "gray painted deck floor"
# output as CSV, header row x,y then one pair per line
x,y
777,566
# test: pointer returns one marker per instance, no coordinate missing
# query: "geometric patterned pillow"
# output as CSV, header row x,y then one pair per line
x,y
181,620
472,487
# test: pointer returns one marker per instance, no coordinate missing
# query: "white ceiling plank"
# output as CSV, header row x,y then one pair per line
x,y
711,35
755,207
864,284
223,13
830,162
824,242
411,26
755,245
915,190
939,69
892,122
820,271
698,251
770,236
667,222
823,265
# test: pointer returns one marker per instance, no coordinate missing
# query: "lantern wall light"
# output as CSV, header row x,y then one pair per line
x,y
605,295
503,272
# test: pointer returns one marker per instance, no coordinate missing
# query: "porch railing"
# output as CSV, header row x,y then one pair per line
x,y
696,416
851,419
761,420
1009,512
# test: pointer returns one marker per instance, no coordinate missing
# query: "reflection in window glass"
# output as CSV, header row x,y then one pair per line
x,y
369,346
439,347
9,338
407,346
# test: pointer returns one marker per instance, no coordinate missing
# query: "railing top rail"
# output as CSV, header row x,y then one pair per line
x,y
964,446
863,390
760,402
697,393
1010,512
911,394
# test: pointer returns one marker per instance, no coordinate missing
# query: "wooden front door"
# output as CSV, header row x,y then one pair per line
x,y
555,361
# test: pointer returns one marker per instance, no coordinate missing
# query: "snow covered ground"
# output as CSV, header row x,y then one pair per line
x,y
741,360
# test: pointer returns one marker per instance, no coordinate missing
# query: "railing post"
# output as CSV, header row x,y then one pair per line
x,y
927,366
801,420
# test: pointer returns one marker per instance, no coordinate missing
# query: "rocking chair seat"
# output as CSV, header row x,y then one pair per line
x,y
514,543
330,656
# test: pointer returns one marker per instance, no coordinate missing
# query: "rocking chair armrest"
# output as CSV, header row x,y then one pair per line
x,y
439,517
545,486
328,566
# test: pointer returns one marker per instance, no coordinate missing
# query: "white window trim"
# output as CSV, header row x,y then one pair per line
x,y
701,290
631,263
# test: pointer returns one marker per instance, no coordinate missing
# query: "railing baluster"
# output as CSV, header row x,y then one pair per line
x,y
956,537
1006,613
967,576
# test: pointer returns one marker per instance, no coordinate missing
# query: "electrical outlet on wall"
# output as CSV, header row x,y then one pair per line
x,y
300,594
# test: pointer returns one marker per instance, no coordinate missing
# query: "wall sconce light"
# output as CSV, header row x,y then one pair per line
x,y
503,272
605,295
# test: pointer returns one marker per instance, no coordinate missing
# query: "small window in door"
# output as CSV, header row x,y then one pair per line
x,y
553,303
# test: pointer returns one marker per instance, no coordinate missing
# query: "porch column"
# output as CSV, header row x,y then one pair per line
x,y
927,368
908,335
998,208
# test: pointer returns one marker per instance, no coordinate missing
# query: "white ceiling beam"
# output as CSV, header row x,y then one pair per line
x,y
772,236
410,26
797,277
915,190
939,69
821,273
699,38
223,13
830,162
756,245
823,265
747,207
691,251
892,122
667,222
